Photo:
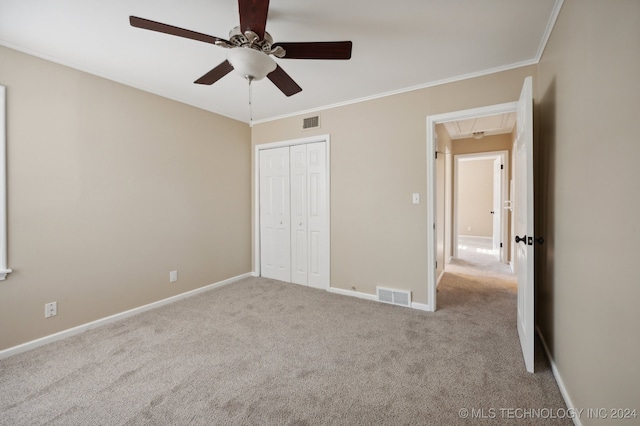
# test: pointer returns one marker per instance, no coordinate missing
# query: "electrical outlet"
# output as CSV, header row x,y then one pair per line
x,y
51,309
173,276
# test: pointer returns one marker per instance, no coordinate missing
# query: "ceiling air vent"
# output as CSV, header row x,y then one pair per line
x,y
311,123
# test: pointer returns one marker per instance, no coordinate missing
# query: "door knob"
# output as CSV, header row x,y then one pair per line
x,y
493,212
539,240
521,240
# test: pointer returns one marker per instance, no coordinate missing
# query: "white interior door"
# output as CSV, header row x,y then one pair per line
x,y
318,215
497,210
523,222
275,225
299,241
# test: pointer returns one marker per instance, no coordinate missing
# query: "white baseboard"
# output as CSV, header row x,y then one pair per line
x,y
113,318
367,296
353,293
421,306
556,374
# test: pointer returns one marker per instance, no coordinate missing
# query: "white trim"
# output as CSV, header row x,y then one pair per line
x,y
543,44
4,269
559,381
440,278
352,293
421,306
113,318
549,29
404,90
256,195
374,298
432,147
432,120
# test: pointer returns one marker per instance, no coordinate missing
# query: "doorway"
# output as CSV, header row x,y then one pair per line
x,y
522,209
480,219
432,180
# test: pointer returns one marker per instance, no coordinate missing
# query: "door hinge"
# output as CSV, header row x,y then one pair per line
x,y
436,264
501,166
500,245
436,155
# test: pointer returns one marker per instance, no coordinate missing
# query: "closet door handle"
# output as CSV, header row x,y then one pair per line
x,y
521,240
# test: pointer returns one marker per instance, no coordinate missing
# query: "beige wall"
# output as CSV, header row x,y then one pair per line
x,y
109,189
588,202
474,183
378,159
487,144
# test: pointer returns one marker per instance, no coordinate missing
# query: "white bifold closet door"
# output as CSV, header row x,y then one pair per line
x,y
275,241
294,214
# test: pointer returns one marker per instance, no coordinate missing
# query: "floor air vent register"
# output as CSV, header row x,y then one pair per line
x,y
393,296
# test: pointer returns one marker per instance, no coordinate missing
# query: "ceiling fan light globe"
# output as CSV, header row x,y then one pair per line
x,y
249,63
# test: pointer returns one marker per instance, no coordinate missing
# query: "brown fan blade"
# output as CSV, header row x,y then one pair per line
x,y
317,50
253,15
146,24
215,74
284,82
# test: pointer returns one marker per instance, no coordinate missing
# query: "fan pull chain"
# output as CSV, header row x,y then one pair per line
x,y
250,103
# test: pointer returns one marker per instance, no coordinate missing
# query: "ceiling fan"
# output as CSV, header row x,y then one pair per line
x,y
251,48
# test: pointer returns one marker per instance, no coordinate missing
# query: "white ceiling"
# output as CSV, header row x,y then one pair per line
x,y
486,125
397,45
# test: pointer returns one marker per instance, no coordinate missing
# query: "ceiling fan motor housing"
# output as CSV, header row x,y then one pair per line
x,y
251,40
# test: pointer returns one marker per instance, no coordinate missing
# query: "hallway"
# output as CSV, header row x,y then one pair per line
x,y
476,257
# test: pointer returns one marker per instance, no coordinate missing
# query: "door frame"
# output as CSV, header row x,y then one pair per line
x,y
432,146
256,195
503,155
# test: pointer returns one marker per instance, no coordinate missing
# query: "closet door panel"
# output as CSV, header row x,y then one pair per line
x,y
317,215
299,241
275,223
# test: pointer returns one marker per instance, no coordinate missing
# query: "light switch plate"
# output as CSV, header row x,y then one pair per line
x,y
416,198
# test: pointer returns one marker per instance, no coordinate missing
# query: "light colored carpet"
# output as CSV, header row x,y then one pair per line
x,y
265,352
